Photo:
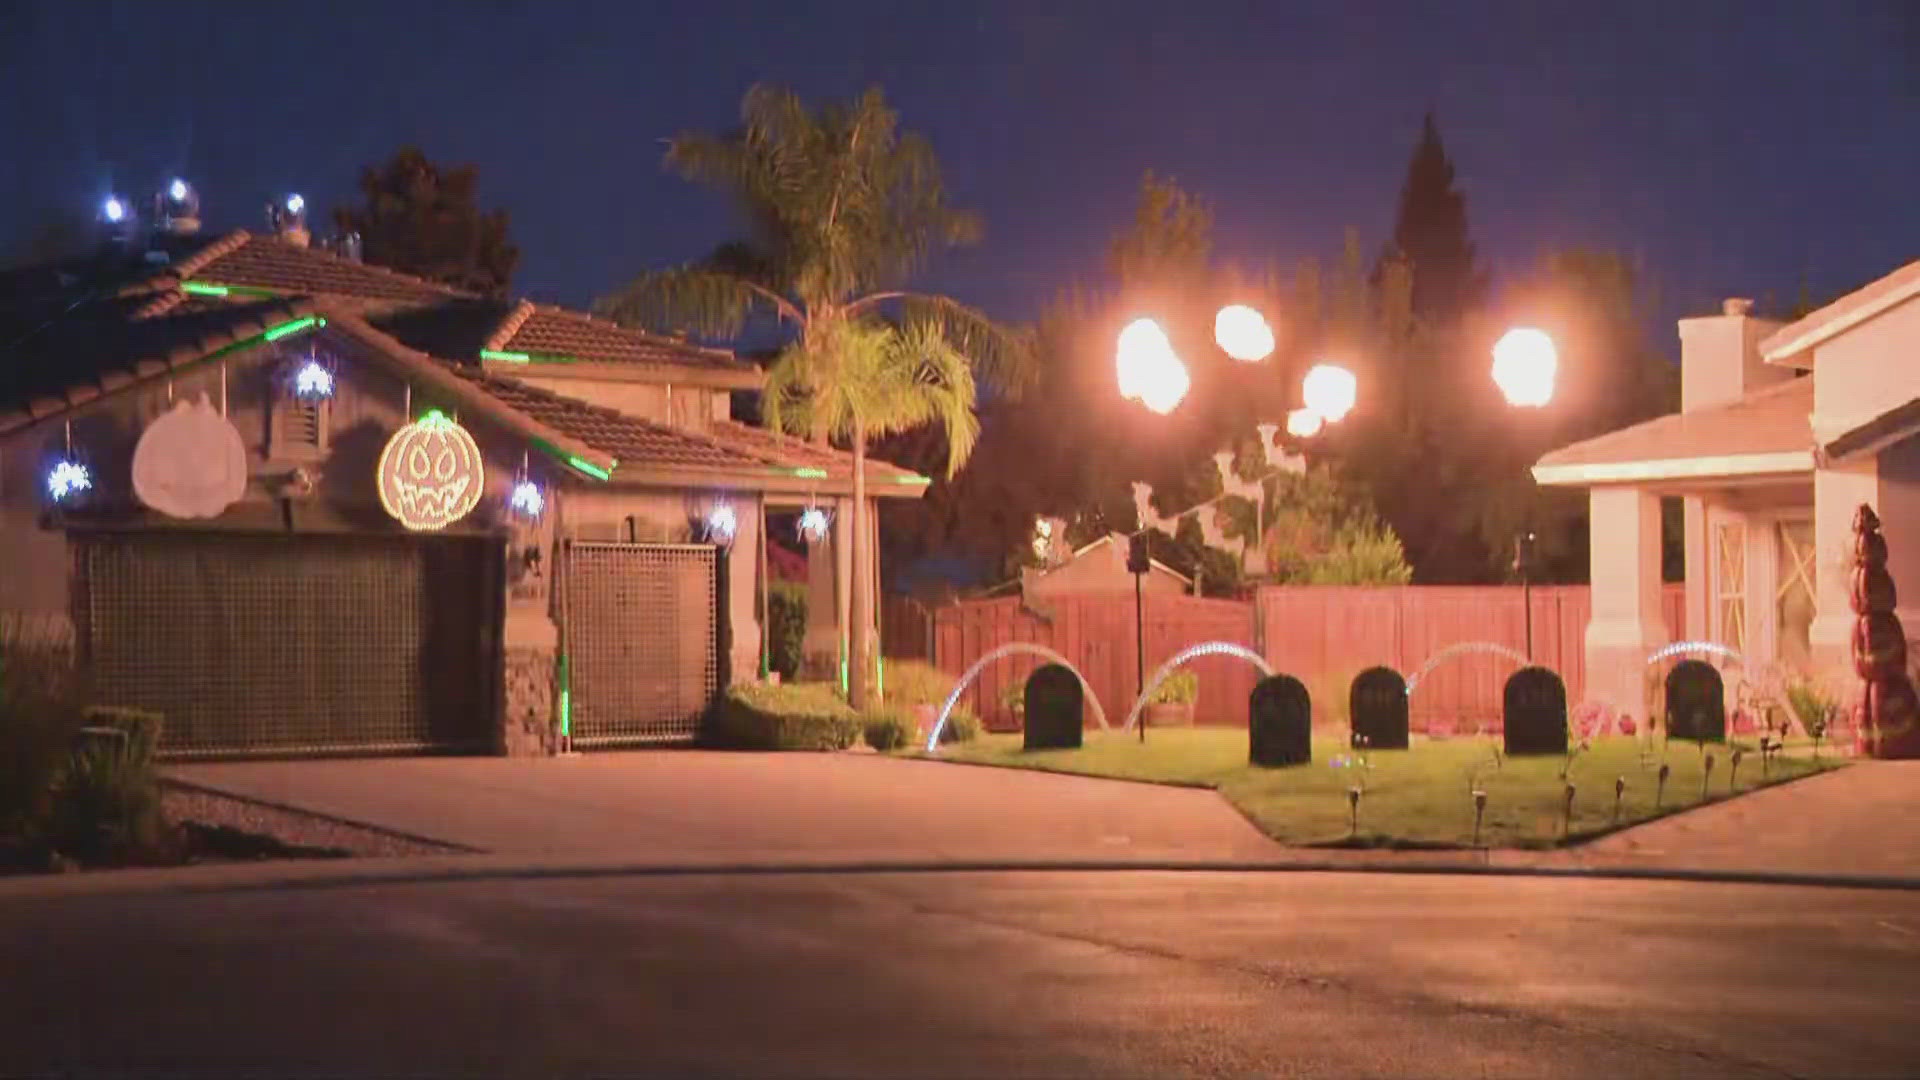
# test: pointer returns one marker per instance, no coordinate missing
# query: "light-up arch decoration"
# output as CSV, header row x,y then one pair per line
x,y
1194,652
933,737
1461,648
430,474
1711,648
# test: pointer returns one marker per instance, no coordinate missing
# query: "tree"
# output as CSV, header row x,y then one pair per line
x,y
1430,232
841,209
423,219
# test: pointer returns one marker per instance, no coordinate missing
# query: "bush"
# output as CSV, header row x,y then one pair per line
x,y
800,716
962,726
916,682
1179,688
39,712
786,626
106,803
887,728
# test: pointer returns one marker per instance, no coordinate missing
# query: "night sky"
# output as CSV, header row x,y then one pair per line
x,y
1733,149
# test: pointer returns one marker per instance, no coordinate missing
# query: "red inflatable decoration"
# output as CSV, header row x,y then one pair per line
x,y
1888,714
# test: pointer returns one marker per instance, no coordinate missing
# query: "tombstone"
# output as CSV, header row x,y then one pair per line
x,y
1055,709
1377,706
1696,702
1535,712
1279,722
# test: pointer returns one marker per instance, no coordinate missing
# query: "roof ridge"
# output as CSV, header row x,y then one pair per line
x,y
604,411
510,325
614,324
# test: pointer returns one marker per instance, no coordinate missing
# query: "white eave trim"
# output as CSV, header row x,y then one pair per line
x,y
1627,472
1774,351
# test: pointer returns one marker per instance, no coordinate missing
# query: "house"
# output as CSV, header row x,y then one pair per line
x,y
1101,567
298,504
1783,431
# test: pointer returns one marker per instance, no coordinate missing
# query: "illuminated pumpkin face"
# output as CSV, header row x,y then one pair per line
x,y
430,474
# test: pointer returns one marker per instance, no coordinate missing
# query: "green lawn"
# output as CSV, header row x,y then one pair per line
x,y
1420,796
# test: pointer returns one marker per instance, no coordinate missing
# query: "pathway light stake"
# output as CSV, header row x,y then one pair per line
x,y
1619,789
1353,811
1479,811
1733,770
1660,792
1706,777
1566,815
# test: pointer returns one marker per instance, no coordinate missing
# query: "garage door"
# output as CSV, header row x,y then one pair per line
x,y
294,645
642,649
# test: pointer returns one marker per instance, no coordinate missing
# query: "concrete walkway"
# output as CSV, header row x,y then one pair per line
x,y
685,807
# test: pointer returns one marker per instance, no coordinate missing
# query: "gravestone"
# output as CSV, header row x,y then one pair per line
x,y
1377,704
1055,709
1535,712
1696,702
1279,722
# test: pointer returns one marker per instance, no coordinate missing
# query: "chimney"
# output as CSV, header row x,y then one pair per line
x,y
1720,356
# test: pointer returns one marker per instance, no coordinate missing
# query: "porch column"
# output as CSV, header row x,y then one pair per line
x,y
530,641
1837,491
1626,622
743,596
820,654
1699,572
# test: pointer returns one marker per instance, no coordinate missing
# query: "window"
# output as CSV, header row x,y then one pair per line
x,y
1794,598
1730,583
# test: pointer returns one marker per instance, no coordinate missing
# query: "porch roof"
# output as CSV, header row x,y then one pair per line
x,y
1765,433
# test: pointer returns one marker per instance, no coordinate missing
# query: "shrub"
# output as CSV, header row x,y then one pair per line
x,y
916,682
887,728
800,716
962,726
39,711
1014,700
106,803
786,626
1179,688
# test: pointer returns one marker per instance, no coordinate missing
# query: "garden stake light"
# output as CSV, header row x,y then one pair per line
x,y
1353,811
1661,791
1706,777
1619,789
1479,811
1733,771
1566,815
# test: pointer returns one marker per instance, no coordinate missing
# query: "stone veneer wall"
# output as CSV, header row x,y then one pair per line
x,y
529,729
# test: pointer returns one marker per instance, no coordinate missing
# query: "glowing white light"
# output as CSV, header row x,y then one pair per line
x,y
1304,423
1042,537
1713,648
295,204
67,478
313,381
813,524
1329,390
1166,386
1143,347
114,210
721,523
526,499
1243,333
1524,366
177,191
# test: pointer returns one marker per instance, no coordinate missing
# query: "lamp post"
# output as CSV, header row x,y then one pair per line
x,y
1525,364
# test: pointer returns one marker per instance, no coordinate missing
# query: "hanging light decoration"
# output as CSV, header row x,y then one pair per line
x,y
68,478
1243,333
527,499
722,523
313,381
814,523
1329,390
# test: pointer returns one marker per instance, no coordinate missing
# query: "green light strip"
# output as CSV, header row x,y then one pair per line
x,y
527,358
913,480
287,328
590,468
209,288
566,698
811,473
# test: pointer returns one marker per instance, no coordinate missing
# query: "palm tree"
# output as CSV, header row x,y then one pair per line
x,y
841,209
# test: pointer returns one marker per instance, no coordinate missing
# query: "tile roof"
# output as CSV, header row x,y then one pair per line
x,y
101,350
540,330
641,446
268,262
1771,421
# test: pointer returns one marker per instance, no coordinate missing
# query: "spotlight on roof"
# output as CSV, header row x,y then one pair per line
x,y
296,204
177,191
113,211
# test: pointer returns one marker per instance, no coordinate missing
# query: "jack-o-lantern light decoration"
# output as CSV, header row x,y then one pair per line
x,y
430,474
190,463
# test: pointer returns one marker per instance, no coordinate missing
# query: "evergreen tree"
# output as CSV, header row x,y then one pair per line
x,y
1430,232
422,219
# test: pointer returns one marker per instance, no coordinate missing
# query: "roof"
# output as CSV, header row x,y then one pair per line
x,y
1843,314
532,332
269,263
1764,432
99,351
724,454
1114,538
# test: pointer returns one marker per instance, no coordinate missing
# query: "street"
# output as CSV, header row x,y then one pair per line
x,y
962,974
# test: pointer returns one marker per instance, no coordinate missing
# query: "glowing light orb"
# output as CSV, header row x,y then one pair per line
x,y
114,210
68,478
813,524
296,204
1143,347
1524,366
1166,386
313,381
1330,391
1304,423
722,523
1243,333
526,499
177,191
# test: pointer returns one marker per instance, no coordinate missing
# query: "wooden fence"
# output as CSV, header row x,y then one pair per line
x,y
1321,635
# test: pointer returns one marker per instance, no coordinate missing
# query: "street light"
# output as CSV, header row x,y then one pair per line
x,y
1524,366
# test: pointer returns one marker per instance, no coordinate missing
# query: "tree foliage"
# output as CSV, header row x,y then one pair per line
x,y
424,219
1430,233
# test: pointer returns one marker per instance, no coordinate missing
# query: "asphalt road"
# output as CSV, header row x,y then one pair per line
x,y
965,974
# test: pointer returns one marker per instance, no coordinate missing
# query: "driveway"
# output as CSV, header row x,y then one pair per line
x,y
686,807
